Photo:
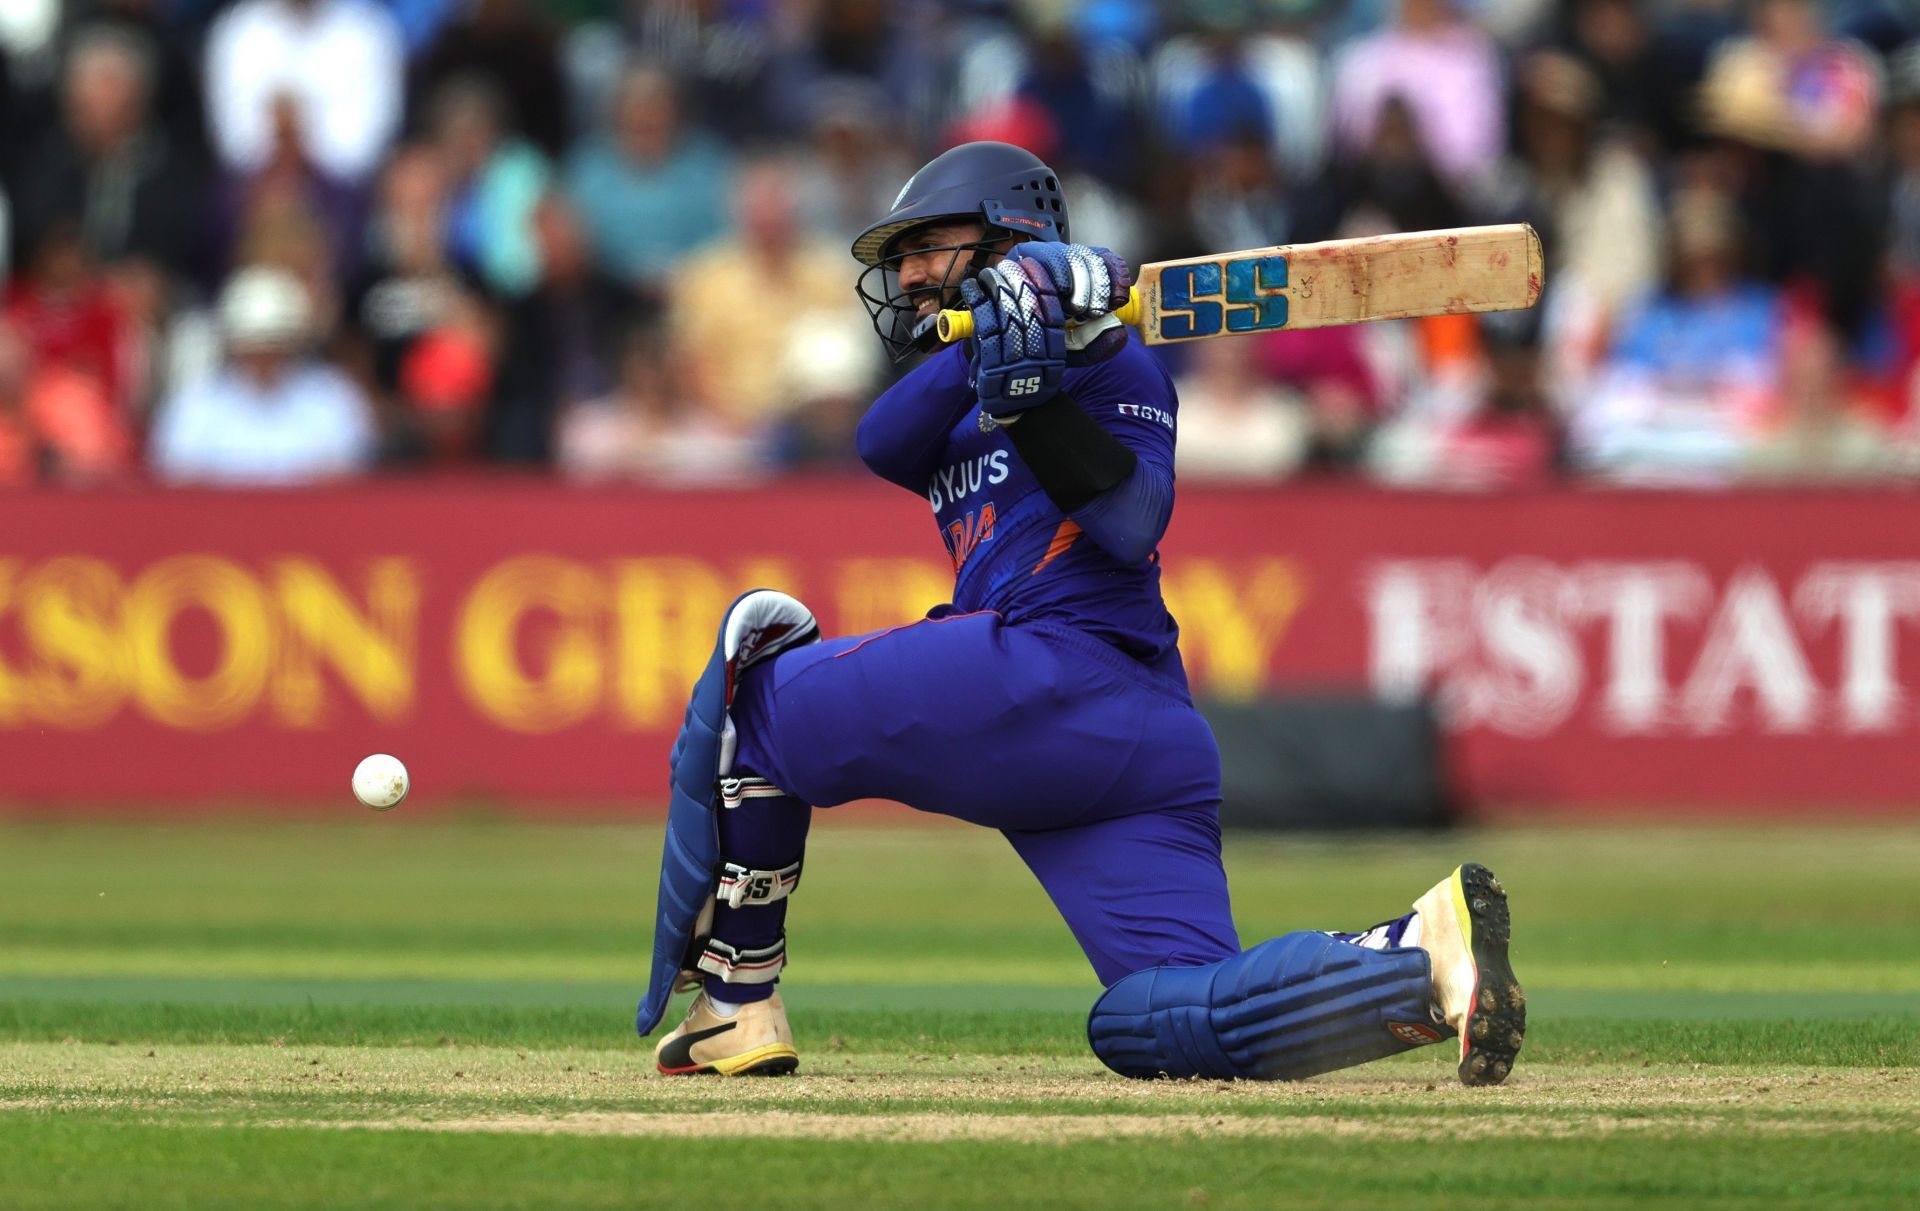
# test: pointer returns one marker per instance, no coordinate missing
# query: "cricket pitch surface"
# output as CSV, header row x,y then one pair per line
x,y
399,1013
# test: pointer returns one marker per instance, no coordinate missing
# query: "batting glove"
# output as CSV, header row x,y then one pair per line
x,y
1020,338
1090,282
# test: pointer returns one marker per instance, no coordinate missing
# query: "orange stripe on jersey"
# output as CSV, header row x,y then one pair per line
x,y
1062,539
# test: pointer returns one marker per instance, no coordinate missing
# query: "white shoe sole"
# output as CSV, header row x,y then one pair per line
x,y
1494,1022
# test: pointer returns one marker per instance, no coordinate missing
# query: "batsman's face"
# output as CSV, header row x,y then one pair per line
x,y
931,267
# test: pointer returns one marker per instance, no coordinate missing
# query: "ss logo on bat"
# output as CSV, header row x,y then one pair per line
x,y
1252,287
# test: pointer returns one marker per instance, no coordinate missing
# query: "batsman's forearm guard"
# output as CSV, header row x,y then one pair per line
x,y
1074,458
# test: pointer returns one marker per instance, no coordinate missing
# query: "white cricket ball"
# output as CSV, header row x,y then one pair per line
x,y
380,782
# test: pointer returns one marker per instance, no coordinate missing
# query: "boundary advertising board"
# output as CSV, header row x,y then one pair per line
x,y
528,644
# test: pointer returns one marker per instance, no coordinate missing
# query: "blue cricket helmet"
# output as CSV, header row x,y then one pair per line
x,y
1006,188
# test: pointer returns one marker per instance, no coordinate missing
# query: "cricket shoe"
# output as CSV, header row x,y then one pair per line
x,y
1465,928
755,1041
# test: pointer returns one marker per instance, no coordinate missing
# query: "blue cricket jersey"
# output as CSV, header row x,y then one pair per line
x,y
1013,550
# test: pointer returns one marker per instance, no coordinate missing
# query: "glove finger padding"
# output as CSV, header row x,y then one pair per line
x,y
1018,290
1090,282
1020,332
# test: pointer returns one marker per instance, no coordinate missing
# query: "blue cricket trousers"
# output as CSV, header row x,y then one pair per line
x,y
1098,770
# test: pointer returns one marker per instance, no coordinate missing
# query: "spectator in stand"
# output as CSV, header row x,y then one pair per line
x,y
854,164
1240,199
71,316
651,428
515,50
774,271
649,189
1166,225
1591,196
1439,65
1235,425
496,181
1795,113
444,385
1643,79
408,290
341,62
273,415
830,370
1590,192
289,187
56,425
562,344
739,67
1228,78
911,53
1389,185
108,165
1501,437
1088,89
1331,372
173,64
1822,433
1788,86
1091,91
1692,376
282,232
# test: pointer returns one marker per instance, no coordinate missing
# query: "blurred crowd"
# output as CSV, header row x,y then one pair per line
x,y
278,241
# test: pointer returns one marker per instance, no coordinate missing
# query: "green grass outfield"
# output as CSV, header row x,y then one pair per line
x,y
389,1012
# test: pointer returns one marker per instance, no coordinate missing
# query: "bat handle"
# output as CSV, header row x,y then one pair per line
x,y
957,324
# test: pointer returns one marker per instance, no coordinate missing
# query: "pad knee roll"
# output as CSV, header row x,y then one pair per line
x,y
1294,1007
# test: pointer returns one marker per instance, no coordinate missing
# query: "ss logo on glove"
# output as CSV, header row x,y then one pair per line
x,y
1023,386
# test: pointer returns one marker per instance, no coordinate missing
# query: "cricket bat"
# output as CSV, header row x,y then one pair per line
x,y
1385,277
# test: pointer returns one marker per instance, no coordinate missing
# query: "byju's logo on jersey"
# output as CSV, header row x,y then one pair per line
x,y
1145,412
954,483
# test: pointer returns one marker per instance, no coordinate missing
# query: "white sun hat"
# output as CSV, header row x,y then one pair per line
x,y
265,308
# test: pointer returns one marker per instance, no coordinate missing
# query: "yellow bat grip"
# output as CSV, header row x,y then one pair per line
x,y
957,325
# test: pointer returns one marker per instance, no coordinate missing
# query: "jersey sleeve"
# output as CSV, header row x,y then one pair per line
x,y
1131,397
904,434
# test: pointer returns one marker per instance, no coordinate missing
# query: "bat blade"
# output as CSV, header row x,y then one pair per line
x,y
1452,272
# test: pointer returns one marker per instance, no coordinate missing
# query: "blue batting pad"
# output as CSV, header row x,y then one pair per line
x,y
1291,1008
690,857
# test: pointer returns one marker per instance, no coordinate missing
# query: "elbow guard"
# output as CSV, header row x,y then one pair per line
x,y
1072,457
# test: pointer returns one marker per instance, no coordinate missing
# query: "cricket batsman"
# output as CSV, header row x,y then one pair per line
x,y
1048,700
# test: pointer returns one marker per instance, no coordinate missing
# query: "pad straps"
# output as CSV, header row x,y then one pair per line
x,y
735,791
736,966
741,885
